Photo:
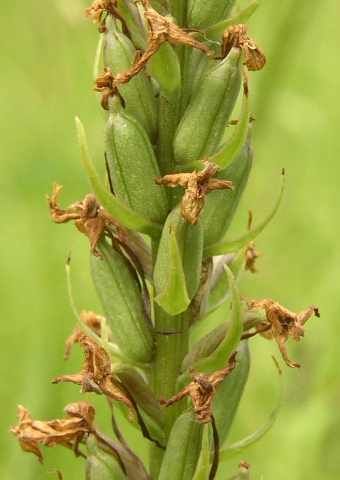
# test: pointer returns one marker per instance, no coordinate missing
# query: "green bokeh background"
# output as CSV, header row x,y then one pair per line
x,y
47,54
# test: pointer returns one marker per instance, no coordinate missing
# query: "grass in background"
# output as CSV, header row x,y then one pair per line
x,y
46,55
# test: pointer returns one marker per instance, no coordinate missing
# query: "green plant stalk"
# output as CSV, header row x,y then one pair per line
x,y
171,346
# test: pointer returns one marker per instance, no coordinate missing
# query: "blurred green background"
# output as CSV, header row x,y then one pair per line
x,y
47,53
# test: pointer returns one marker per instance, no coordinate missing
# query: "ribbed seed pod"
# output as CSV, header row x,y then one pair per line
x,y
220,205
183,449
121,300
138,95
201,129
100,464
133,166
202,14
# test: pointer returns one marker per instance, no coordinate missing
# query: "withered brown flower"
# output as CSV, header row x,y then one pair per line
x,y
95,375
161,29
89,217
93,321
107,85
202,390
281,324
197,185
68,431
236,36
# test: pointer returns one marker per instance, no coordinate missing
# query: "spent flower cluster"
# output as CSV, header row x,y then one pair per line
x,y
161,258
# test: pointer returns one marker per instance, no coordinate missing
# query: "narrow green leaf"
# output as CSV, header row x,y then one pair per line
x,y
215,31
225,155
219,358
228,395
228,246
117,209
239,447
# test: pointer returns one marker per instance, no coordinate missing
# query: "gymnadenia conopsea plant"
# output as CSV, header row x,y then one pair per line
x,y
172,76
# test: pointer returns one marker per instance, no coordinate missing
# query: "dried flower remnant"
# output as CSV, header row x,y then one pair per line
x,y
93,321
68,431
93,220
281,324
106,84
161,29
95,375
201,390
97,9
236,36
251,254
197,185
87,215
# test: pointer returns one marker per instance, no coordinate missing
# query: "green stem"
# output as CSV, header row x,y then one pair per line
x,y
171,346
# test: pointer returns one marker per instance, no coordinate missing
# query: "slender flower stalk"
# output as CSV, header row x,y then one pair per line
x,y
173,76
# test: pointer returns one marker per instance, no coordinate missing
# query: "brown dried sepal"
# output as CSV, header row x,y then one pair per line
x,y
68,431
202,390
97,9
95,375
107,85
236,36
197,185
93,321
281,324
89,217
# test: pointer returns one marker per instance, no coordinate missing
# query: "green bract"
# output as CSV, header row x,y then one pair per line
x,y
178,263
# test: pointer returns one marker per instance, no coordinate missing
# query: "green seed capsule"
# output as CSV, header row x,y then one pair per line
x,y
201,129
184,445
220,206
100,464
139,97
202,14
133,166
121,301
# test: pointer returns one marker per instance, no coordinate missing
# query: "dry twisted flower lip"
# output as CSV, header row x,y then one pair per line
x,y
201,390
197,185
281,324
